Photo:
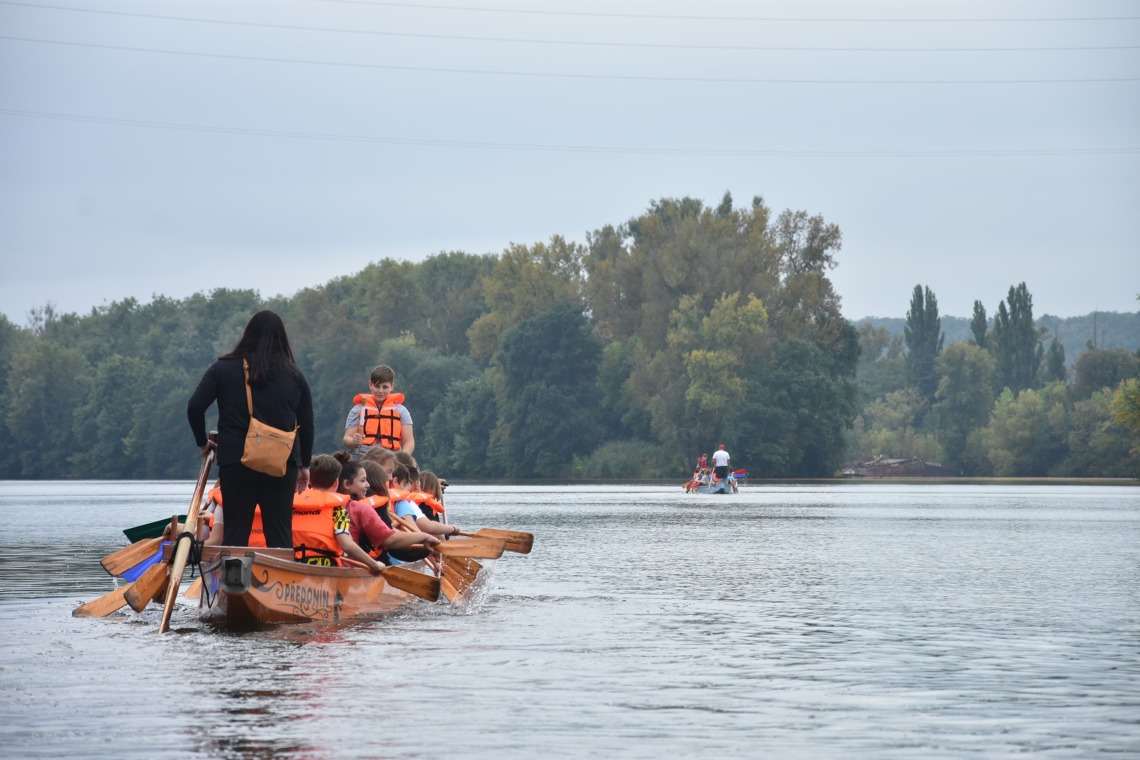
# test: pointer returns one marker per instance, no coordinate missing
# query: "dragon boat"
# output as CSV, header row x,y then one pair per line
x,y
244,587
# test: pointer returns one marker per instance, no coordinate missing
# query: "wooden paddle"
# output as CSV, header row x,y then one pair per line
x,y
195,589
476,548
148,585
416,584
457,574
116,563
517,541
463,567
448,590
182,548
104,605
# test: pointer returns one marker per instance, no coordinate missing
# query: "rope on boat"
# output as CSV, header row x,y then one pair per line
x,y
194,560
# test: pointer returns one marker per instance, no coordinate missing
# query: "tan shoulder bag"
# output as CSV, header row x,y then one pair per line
x,y
267,449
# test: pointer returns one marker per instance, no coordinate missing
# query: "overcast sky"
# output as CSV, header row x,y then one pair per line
x,y
177,147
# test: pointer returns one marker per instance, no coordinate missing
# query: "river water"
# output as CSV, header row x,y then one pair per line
x,y
847,620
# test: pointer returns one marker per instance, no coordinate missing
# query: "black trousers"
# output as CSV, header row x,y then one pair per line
x,y
242,490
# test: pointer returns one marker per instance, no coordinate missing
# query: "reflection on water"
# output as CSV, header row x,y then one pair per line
x,y
792,621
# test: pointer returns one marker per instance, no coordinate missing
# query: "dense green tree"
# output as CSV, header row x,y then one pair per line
x,y
924,338
1027,434
799,403
461,427
1125,406
453,285
42,405
964,399
1098,368
1099,446
622,417
12,339
103,419
526,281
978,325
1016,344
546,376
1054,369
882,366
890,427
337,354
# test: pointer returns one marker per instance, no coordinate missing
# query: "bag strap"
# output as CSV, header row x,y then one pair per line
x,y
248,393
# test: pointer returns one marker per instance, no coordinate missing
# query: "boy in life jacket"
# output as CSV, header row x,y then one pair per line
x,y
379,418
321,527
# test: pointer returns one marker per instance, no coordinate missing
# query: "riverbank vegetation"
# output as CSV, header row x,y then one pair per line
x,y
623,356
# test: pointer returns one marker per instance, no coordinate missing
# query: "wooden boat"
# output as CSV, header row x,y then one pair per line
x,y
720,486
246,587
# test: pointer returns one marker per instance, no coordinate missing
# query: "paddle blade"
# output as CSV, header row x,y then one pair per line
x,y
124,559
517,541
462,569
195,589
448,590
149,584
416,584
478,548
104,605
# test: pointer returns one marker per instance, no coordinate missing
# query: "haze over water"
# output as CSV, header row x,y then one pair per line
x,y
846,620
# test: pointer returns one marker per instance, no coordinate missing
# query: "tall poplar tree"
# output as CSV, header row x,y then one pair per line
x,y
923,335
978,324
1016,344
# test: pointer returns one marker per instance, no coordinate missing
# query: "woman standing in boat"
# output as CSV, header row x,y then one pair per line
x,y
281,398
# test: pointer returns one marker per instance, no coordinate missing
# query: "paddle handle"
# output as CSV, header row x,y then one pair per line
x,y
182,548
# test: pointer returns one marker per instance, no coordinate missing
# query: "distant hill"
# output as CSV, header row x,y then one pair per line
x,y
1113,330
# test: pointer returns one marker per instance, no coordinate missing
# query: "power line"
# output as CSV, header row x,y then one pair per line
x,y
766,19
579,43
555,75
606,149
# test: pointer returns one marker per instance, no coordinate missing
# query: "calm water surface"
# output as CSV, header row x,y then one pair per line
x,y
853,620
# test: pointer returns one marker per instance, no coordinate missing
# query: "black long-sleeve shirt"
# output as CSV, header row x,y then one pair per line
x,y
284,402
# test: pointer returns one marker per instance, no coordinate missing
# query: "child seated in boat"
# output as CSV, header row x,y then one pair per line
x,y
693,483
366,527
386,458
379,418
215,518
380,500
406,505
321,528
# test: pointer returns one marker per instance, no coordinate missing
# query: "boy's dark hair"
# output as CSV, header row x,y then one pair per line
x,y
401,474
383,374
324,471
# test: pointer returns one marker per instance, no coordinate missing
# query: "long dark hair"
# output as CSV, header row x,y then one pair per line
x,y
265,345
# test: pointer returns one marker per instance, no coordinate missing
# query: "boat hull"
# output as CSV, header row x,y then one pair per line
x,y
721,486
244,587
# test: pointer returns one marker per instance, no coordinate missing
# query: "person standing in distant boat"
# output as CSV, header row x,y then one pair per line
x,y
721,462
281,398
702,461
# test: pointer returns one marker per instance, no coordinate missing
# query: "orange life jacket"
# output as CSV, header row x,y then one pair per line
x,y
314,540
381,425
256,531
424,499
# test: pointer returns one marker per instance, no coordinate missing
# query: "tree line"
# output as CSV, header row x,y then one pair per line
x,y
1003,402
623,356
